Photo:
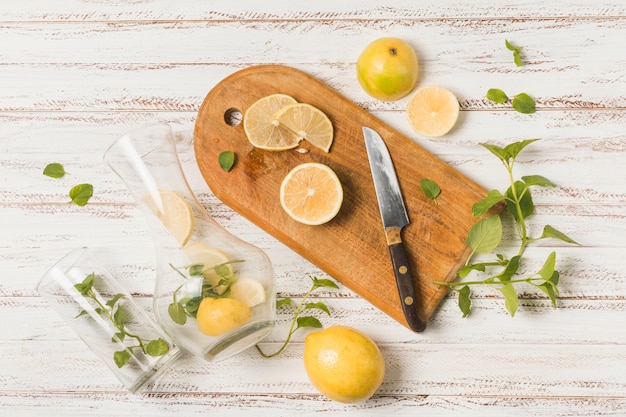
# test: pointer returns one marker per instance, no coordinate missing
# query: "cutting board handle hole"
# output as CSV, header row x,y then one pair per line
x,y
233,117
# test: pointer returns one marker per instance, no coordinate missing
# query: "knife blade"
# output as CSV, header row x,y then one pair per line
x,y
395,217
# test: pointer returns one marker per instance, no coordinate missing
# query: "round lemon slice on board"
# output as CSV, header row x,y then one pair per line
x,y
307,122
199,253
433,111
248,290
262,130
175,213
311,193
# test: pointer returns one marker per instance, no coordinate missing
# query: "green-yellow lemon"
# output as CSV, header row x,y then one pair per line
x,y
217,316
343,364
387,69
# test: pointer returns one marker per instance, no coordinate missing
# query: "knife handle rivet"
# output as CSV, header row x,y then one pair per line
x,y
403,269
408,300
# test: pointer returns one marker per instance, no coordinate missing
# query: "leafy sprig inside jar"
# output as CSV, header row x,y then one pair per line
x,y
215,296
113,311
485,236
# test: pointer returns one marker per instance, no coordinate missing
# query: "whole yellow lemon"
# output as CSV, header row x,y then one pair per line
x,y
217,316
343,364
387,69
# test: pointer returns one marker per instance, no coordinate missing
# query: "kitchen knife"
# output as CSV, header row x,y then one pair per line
x,y
394,215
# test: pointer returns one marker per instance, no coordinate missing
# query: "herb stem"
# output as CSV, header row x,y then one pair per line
x,y
292,328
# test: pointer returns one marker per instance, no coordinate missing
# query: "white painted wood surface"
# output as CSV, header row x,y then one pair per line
x,y
75,74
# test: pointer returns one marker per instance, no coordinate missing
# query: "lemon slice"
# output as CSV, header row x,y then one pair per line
x,y
175,213
433,111
262,130
199,253
248,290
307,122
311,193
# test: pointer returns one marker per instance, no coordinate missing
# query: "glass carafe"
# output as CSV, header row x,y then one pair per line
x,y
214,293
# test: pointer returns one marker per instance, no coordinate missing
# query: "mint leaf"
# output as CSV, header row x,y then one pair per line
x,y
54,170
319,306
538,180
513,149
465,303
226,160
320,283
493,198
157,347
549,231
511,302
81,193
284,302
430,189
177,313
121,357
309,321
485,235
524,103
517,51
521,200
547,270
497,96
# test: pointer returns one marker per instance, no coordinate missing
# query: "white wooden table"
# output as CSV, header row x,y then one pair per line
x,y
74,75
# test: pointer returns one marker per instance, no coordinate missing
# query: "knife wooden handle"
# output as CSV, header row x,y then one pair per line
x,y
406,287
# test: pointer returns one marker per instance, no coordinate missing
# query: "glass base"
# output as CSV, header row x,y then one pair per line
x,y
239,340
157,369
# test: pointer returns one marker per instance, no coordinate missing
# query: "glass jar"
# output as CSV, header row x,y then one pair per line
x,y
214,293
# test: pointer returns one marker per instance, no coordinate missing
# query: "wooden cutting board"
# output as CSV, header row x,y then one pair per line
x,y
352,247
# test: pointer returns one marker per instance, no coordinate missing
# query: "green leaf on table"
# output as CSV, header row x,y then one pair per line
x,y
309,321
430,189
54,170
323,283
465,303
497,96
284,302
513,149
226,160
121,357
547,270
493,198
118,337
523,197
157,347
523,103
517,52
551,232
511,302
485,235
81,193
510,269
538,180
319,306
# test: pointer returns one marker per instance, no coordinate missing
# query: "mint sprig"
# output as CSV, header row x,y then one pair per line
x,y
299,322
522,102
113,311
485,236
517,52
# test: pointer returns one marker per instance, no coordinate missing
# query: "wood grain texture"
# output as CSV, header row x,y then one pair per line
x,y
352,247
76,74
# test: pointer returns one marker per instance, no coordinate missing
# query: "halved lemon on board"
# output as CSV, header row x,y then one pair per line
x,y
433,111
199,253
175,213
307,122
311,193
262,130
248,290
